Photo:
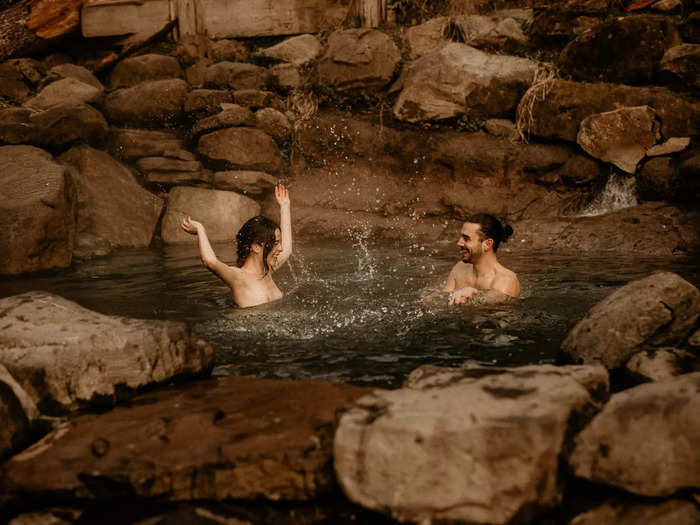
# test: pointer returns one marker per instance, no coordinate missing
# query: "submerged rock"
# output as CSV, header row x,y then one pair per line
x,y
655,311
643,439
66,356
228,438
477,444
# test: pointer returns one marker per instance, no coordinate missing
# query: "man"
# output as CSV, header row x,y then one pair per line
x,y
479,274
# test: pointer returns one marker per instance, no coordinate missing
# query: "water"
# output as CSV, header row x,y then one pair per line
x,y
620,192
352,311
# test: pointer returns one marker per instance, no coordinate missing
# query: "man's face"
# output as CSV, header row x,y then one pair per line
x,y
470,244
276,249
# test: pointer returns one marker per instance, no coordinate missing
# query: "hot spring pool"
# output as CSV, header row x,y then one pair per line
x,y
352,311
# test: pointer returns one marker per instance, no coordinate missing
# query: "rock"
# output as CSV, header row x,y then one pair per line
x,y
690,28
557,25
557,115
204,102
658,179
54,516
222,213
65,90
297,50
66,356
672,512
662,364
232,115
17,411
273,123
620,137
694,339
500,127
641,440
170,178
440,450
667,6
167,164
679,67
112,207
192,48
655,311
579,170
30,71
148,104
286,76
625,50
221,439
72,71
242,148
13,84
246,182
144,68
672,145
459,79
689,178
196,74
55,59
255,98
134,143
358,59
235,75
37,211
228,50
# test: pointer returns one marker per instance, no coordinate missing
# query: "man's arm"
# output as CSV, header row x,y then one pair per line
x,y
451,283
507,284
282,196
206,252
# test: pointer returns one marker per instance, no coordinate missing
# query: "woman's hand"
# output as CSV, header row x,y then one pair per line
x,y
191,226
462,295
282,195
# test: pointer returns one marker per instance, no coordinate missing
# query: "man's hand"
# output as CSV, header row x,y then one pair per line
x,y
191,226
462,295
282,195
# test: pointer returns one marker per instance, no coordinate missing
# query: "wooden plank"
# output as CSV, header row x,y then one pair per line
x,y
373,12
122,17
187,17
250,18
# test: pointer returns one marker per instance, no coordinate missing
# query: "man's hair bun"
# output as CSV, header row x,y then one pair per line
x,y
507,232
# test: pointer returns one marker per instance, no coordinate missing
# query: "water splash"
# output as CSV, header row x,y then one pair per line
x,y
619,193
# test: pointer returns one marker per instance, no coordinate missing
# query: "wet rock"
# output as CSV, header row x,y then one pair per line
x,y
227,438
66,356
112,205
255,98
228,50
641,440
500,127
221,212
679,67
358,59
625,50
242,148
148,104
144,68
579,170
65,90
621,137
204,102
231,115
297,50
72,71
654,311
672,512
286,76
558,114
17,412
459,79
478,444
273,123
134,143
246,182
662,364
658,179
235,75
38,209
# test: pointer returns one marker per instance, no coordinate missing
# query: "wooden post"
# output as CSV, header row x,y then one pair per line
x,y
187,17
373,12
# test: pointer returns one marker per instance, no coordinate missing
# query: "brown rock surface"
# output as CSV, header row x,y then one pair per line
x,y
680,65
231,115
672,512
148,104
658,179
235,75
134,143
73,71
662,364
65,90
242,148
203,102
17,411
246,182
234,437
297,50
144,68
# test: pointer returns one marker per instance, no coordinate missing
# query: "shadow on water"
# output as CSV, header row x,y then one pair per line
x,y
352,312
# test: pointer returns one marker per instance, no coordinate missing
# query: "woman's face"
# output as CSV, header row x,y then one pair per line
x,y
276,249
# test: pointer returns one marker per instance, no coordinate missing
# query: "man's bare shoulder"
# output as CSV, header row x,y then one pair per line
x,y
507,282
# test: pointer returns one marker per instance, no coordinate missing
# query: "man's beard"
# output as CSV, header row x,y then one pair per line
x,y
466,256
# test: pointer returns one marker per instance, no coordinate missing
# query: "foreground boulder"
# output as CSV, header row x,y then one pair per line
x,y
643,440
37,211
233,437
479,444
65,356
655,311
17,411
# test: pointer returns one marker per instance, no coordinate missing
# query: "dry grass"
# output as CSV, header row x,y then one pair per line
x,y
541,85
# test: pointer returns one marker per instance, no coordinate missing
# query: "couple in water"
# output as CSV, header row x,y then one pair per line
x,y
263,247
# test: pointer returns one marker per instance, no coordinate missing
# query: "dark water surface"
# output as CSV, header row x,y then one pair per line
x,y
352,312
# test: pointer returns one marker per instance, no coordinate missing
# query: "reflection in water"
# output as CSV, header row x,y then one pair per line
x,y
352,312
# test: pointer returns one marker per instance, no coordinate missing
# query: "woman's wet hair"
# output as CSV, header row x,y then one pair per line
x,y
491,228
260,230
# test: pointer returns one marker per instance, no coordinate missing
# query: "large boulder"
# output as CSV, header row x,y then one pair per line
x,y
66,356
476,445
644,439
237,438
555,110
274,123
148,104
246,182
221,212
622,49
654,311
65,90
621,137
235,75
459,79
680,65
37,211
113,208
242,148
17,412
672,512
358,59
297,50
144,68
